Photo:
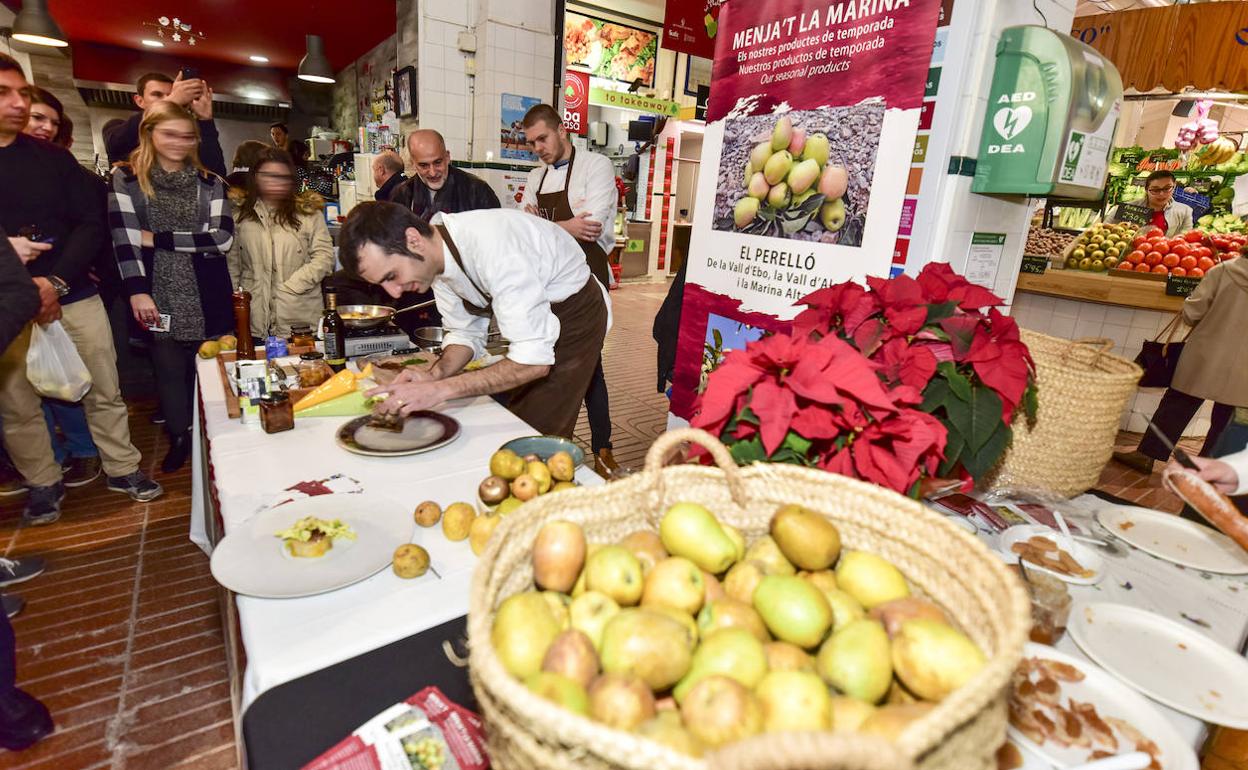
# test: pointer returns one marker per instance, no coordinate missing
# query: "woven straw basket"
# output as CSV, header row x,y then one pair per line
x,y
940,560
1083,390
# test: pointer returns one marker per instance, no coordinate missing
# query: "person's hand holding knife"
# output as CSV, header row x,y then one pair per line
x,y
413,390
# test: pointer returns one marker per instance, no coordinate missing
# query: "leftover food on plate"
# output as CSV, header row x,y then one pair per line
x,y
1009,757
391,421
1045,552
311,538
1037,711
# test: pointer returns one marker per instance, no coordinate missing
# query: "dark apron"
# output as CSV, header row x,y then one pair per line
x,y
552,403
556,207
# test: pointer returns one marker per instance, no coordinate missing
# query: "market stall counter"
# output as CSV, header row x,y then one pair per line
x,y
244,471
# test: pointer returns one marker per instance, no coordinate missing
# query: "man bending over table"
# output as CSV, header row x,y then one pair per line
x,y
527,272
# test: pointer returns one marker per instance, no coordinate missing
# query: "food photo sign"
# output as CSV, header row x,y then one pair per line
x,y
609,49
812,117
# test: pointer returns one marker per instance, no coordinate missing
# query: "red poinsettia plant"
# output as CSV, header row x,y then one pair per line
x,y
901,380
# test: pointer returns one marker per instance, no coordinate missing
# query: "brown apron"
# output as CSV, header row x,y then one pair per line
x,y
556,207
552,403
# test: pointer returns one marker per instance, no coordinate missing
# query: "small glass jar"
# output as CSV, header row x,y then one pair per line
x,y
301,336
276,413
313,370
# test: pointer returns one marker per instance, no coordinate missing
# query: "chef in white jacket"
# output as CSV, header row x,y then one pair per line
x,y
576,190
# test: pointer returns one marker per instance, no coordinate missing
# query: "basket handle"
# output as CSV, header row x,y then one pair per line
x,y
670,440
1099,345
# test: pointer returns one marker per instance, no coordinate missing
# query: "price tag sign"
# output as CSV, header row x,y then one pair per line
x,y
1181,286
1035,264
1136,215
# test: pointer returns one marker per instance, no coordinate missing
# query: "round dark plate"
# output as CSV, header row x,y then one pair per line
x,y
423,431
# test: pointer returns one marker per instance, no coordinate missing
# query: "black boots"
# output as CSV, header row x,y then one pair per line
x,y
179,453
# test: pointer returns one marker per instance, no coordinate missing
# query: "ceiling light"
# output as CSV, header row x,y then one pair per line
x,y
152,43
259,59
36,26
314,67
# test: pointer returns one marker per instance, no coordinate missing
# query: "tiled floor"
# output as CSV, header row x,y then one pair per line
x,y
122,636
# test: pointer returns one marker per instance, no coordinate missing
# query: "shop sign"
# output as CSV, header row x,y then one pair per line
x,y
1034,264
576,102
1181,285
624,100
690,26
983,258
1136,215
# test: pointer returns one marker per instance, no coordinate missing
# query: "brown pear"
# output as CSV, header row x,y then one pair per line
x,y
572,654
622,701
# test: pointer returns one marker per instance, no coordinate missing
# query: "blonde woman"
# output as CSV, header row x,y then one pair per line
x,y
172,229
282,249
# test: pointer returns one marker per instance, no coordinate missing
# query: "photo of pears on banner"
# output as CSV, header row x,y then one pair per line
x,y
804,174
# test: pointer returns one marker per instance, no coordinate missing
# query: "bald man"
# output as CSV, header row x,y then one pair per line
x,y
387,174
438,187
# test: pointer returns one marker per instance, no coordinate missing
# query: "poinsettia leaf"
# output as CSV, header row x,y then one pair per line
x,y
746,452
775,406
955,445
977,418
1031,402
941,311
979,462
961,331
935,395
797,443
959,384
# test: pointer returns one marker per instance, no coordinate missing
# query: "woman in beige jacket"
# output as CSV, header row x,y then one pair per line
x,y
1212,366
282,247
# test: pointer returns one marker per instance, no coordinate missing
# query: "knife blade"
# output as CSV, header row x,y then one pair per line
x,y
1179,455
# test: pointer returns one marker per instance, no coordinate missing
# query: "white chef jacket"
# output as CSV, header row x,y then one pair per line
x,y
1239,461
592,188
526,264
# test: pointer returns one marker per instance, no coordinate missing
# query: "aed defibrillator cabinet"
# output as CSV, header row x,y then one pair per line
x,y
1051,117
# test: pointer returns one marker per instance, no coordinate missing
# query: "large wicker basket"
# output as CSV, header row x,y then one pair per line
x,y
1083,390
940,560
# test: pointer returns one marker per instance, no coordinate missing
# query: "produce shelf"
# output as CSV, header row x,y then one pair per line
x,y
1145,292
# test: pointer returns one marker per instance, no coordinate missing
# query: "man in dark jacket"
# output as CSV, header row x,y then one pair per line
x,y
438,187
193,94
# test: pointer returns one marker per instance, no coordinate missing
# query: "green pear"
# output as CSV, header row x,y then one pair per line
x,y
561,690
805,538
782,134
794,700
742,579
932,659
579,587
845,608
856,661
767,552
745,211
523,630
732,652
849,713
676,582
730,613
738,540
778,167
689,530
589,614
648,644
681,617
793,609
784,656
779,196
817,147
614,571
573,655
760,155
832,215
870,579
803,176
720,710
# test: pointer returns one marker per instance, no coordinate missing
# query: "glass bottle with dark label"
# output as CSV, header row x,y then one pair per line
x,y
335,334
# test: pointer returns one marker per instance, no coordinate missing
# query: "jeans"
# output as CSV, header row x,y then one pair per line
x,y
173,362
74,438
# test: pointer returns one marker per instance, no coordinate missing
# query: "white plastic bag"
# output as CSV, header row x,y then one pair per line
x,y
53,365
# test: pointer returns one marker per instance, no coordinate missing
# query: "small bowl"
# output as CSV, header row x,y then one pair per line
x,y
545,446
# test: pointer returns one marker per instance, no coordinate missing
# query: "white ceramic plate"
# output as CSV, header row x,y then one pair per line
x,y
1175,539
251,560
1165,660
1112,699
1083,554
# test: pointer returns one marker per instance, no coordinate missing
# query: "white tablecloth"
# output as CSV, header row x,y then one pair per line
x,y
288,638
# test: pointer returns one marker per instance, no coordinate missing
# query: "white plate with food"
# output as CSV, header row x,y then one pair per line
x,y
1166,660
1070,712
312,545
1175,539
1042,548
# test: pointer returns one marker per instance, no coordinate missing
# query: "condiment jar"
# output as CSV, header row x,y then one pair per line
x,y
301,336
276,413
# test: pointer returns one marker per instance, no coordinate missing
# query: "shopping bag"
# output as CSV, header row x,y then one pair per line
x,y
53,365
1159,359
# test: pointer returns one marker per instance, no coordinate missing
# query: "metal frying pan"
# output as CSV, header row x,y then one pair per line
x,y
372,316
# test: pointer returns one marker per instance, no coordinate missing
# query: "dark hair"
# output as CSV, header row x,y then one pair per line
x,y
1153,177
382,223
246,153
544,113
286,213
280,125
9,64
65,129
151,77
299,151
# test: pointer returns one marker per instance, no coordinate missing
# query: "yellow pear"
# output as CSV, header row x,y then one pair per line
x,y
523,630
666,728
793,609
786,656
648,644
766,552
870,579
719,710
742,579
681,617
730,613
932,659
856,661
731,652
590,612
622,701
794,700
479,532
559,689
676,582
805,538
647,547
615,572
849,713
541,474
738,540
689,530
890,721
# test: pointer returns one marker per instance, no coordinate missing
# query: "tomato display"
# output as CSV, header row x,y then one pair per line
x,y
1192,254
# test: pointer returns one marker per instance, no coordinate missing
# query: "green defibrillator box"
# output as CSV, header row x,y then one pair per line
x,y
1051,116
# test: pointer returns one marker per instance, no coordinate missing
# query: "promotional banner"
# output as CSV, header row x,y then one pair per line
x,y
609,49
511,130
576,101
690,26
806,157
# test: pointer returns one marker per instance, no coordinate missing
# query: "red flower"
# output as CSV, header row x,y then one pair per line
x,y
911,365
845,306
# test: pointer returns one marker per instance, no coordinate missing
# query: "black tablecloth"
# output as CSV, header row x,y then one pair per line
x,y
292,724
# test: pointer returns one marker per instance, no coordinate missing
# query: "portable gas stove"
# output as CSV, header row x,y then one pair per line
x,y
382,339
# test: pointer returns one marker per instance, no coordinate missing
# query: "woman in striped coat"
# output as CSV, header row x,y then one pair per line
x,y
172,228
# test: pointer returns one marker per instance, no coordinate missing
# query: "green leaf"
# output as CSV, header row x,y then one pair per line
x,y
955,445
935,395
958,382
1031,402
976,419
937,313
749,451
979,462
797,443
718,337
